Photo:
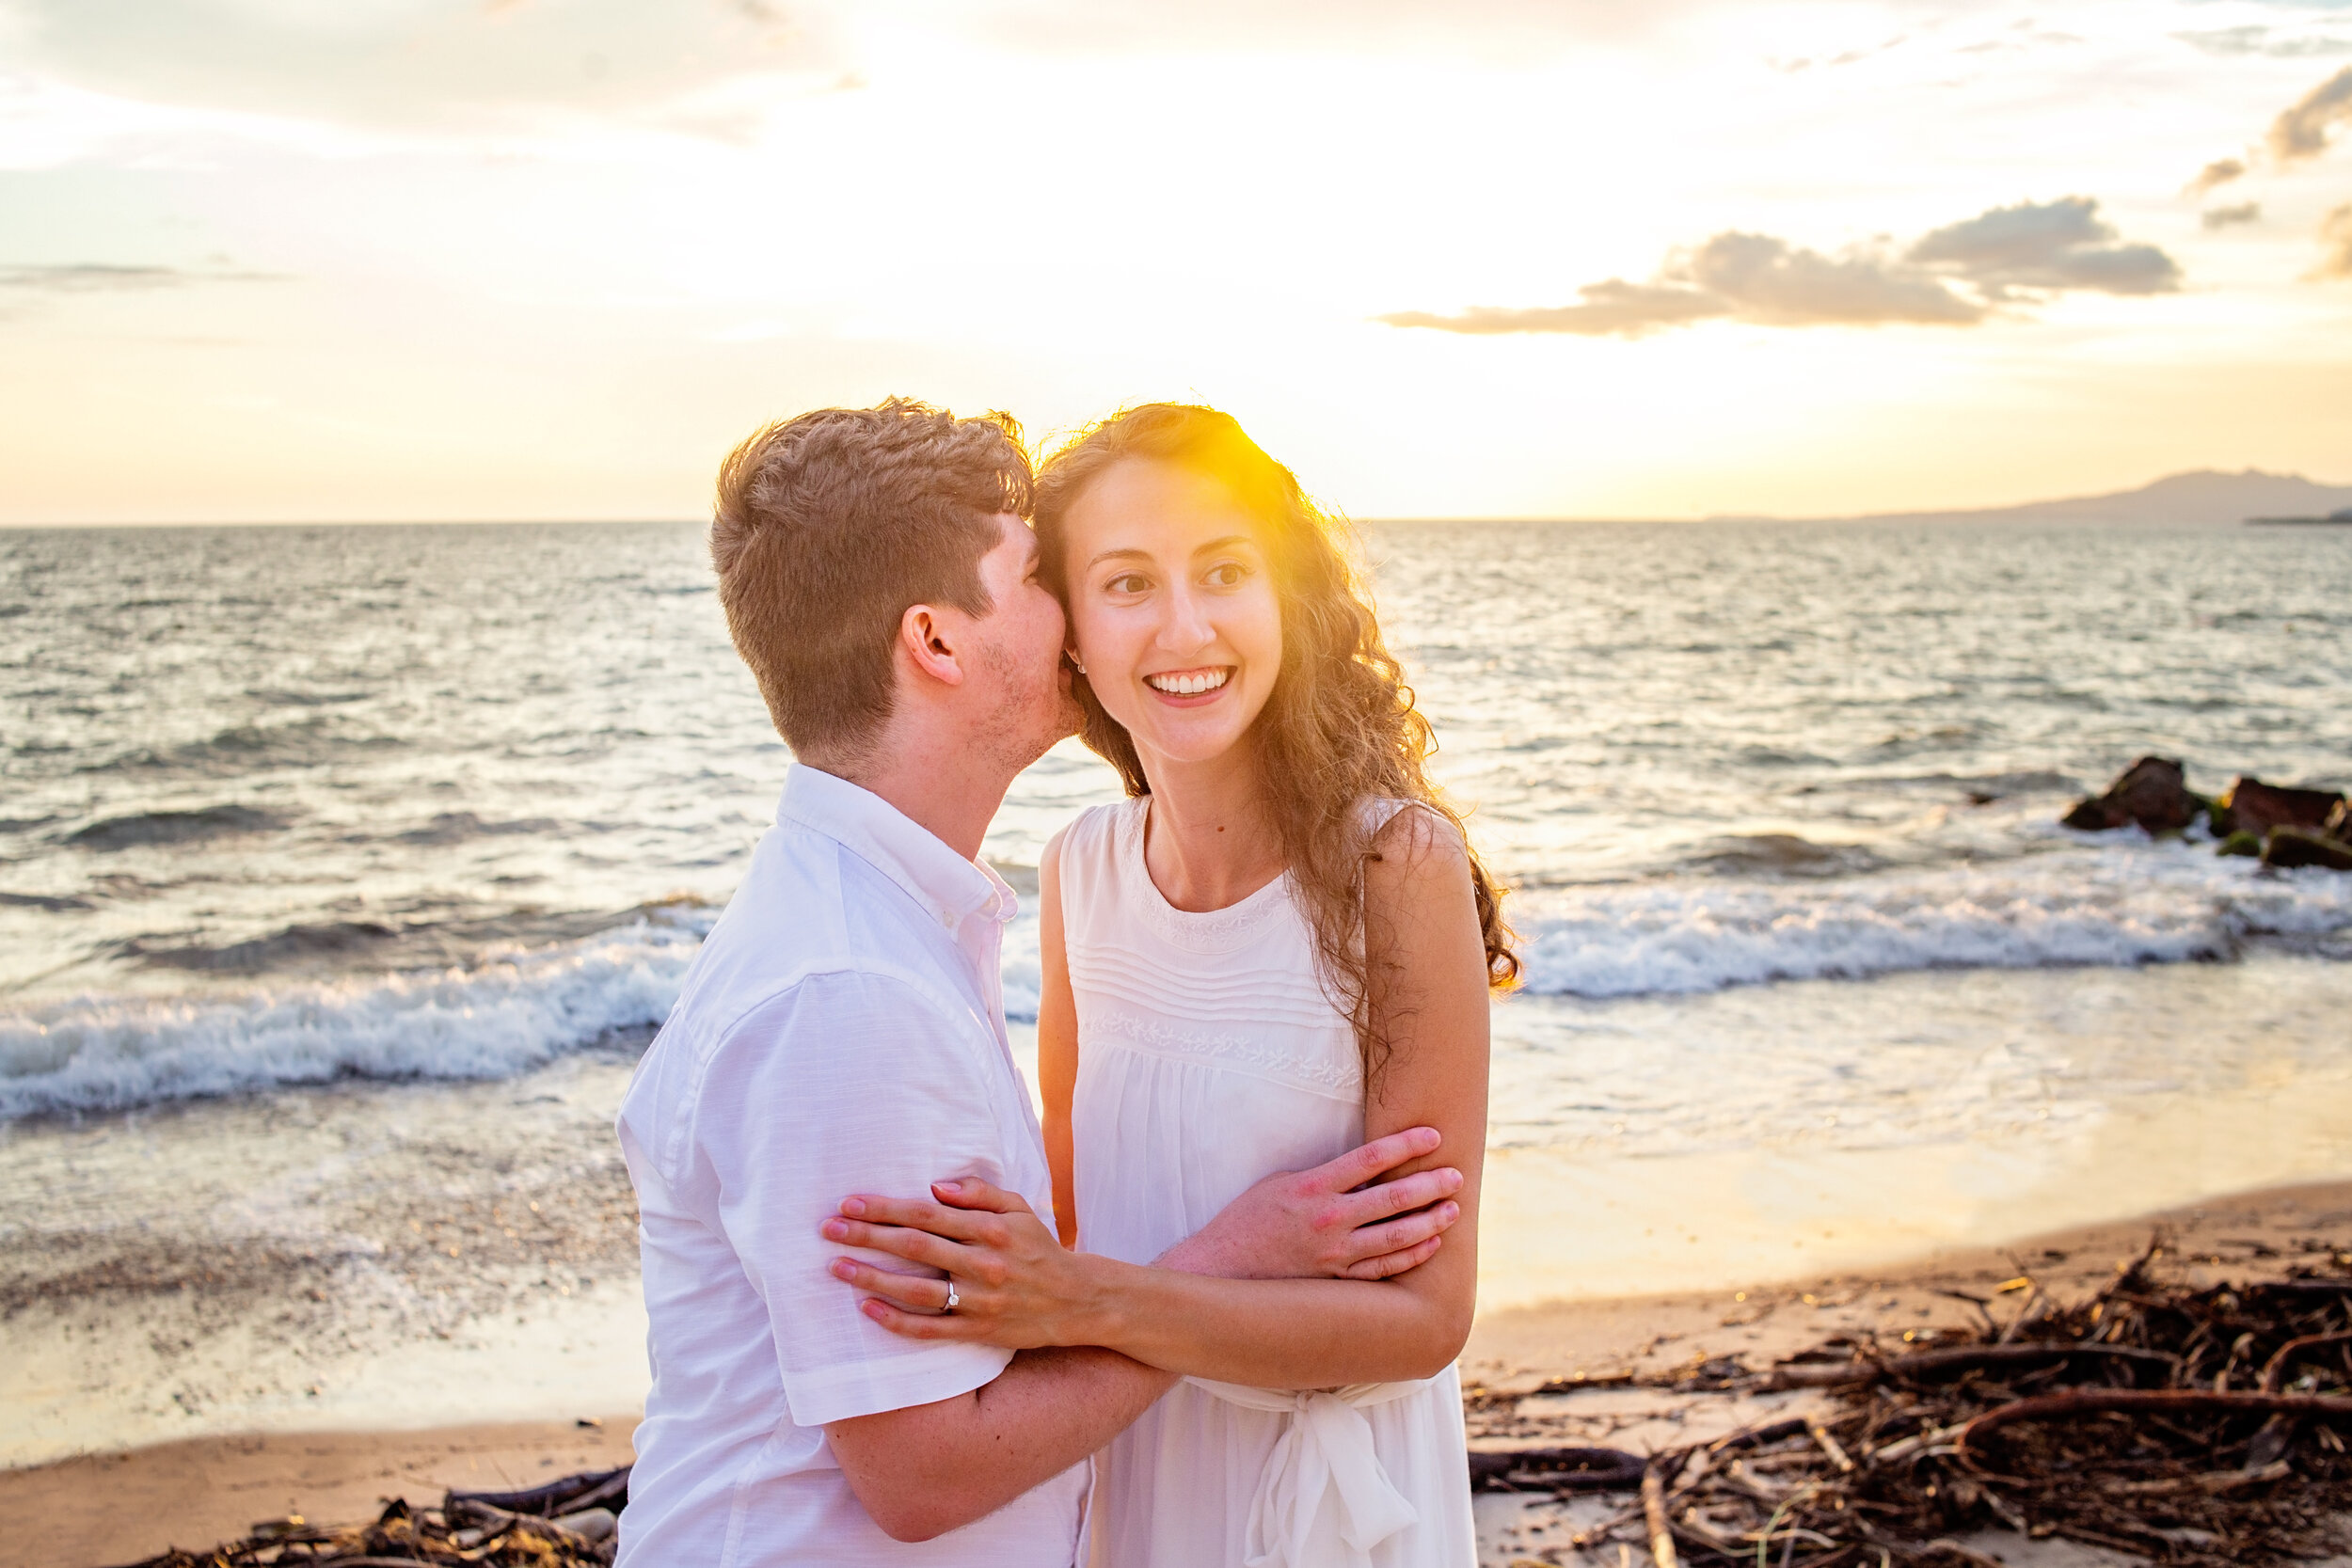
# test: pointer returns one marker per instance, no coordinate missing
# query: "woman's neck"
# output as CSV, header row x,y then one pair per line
x,y
1211,842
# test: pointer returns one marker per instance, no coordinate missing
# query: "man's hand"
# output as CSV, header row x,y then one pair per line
x,y
1016,1287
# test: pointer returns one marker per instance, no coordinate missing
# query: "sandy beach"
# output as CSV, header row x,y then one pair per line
x,y
101,1510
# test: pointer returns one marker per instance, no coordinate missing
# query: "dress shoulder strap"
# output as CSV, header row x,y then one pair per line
x,y
1089,870
1375,812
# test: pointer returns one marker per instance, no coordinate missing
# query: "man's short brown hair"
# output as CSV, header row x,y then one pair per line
x,y
828,526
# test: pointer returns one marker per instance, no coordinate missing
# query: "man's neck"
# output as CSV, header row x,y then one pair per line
x,y
937,783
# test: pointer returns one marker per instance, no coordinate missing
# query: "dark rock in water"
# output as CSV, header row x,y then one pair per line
x,y
2293,847
2152,792
2241,844
2251,806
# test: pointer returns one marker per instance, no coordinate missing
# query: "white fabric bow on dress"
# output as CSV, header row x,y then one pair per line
x,y
1326,1452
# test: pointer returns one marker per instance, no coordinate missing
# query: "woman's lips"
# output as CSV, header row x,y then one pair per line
x,y
1189,687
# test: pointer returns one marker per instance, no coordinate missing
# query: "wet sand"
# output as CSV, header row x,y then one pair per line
x,y
98,1511
362,1255
108,1509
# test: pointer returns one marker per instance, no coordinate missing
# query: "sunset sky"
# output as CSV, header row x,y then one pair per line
x,y
279,259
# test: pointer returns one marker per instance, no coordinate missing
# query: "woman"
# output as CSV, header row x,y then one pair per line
x,y
1279,946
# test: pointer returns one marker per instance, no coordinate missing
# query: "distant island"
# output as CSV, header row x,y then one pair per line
x,y
2341,518
2204,495
2202,498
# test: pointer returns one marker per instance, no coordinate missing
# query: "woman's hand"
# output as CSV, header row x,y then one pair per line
x,y
1331,1221
1015,1284
1016,1287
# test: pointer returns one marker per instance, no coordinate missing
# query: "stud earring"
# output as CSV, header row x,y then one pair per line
x,y
1076,663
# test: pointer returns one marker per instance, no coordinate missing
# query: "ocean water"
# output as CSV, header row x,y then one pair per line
x,y
289,805
344,870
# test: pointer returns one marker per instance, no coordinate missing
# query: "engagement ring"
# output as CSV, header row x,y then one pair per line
x,y
951,1297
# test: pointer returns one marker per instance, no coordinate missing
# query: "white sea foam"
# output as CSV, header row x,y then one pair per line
x,y
2118,904
493,1021
2108,904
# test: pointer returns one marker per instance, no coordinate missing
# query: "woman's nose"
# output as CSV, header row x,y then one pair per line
x,y
1186,627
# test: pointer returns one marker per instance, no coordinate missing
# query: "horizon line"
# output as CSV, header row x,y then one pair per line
x,y
1912,514
1993,513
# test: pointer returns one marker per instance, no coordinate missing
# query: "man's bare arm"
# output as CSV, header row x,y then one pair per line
x,y
932,1469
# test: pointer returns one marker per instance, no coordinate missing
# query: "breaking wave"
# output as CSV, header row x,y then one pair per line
x,y
2112,905
499,1016
502,1014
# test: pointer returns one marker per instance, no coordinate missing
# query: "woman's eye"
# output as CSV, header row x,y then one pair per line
x,y
1127,582
1226,575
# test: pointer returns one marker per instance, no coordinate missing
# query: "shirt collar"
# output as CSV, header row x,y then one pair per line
x,y
949,887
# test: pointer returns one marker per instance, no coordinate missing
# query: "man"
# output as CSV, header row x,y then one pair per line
x,y
843,1030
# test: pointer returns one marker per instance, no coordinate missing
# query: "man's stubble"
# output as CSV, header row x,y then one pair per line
x,y
1037,708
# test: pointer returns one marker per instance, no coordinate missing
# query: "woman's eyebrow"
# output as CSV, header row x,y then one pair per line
x,y
1228,542
1129,554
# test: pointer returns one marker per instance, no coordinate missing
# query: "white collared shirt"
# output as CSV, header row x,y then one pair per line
x,y
841,1031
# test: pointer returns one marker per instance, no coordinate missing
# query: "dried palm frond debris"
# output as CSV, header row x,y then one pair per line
x,y
2196,1426
565,1523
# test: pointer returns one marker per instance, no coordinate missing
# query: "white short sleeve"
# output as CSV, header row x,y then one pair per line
x,y
846,1083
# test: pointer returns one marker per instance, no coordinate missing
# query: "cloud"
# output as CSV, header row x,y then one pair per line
x,y
2222,217
2219,172
2256,40
2047,245
1777,284
2336,230
1750,278
1956,276
1495,28
406,63
1791,64
1612,308
2301,132
98,278
2024,34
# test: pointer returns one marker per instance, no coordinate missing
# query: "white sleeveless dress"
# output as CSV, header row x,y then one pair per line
x,y
1209,1057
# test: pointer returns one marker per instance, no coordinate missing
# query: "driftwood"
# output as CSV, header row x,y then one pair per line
x,y
565,1523
1937,1363
597,1489
2152,1419
1661,1536
1556,1470
2275,1367
2142,1402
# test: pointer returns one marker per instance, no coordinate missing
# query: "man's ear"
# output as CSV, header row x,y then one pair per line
x,y
927,640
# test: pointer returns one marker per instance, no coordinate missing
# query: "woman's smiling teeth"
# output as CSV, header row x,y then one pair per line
x,y
1188,683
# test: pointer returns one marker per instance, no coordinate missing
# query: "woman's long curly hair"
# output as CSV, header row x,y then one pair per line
x,y
1339,728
